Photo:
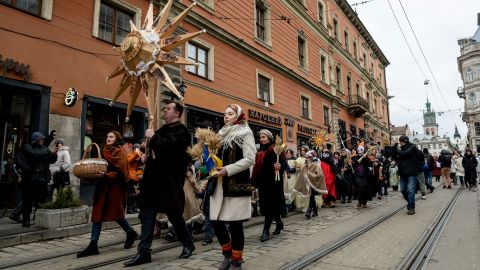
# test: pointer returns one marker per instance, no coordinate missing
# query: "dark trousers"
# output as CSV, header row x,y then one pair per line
x,y
33,194
470,178
148,217
363,194
209,233
236,236
269,219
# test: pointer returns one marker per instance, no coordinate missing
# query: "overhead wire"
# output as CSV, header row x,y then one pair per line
x,y
425,58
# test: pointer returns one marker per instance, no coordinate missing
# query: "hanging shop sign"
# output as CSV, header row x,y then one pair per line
x,y
269,119
9,64
71,97
306,130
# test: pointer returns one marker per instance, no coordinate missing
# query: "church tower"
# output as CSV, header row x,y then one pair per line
x,y
430,126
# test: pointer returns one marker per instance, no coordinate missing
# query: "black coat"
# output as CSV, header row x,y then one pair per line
x,y
445,159
270,191
38,159
164,175
407,158
470,163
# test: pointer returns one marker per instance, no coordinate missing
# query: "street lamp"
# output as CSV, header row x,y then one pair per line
x,y
183,89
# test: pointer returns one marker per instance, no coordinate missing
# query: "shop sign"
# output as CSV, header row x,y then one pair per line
x,y
289,121
71,97
307,130
276,120
9,64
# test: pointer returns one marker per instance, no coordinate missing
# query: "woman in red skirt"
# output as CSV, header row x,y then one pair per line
x,y
328,168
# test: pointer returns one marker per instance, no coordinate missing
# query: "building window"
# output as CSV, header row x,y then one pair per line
x,y
342,132
364,61
264,87
30,6
469,75
305,105
114,23
349,85
353,136
262,22
302,52
323,68
347,41
355,50
321,15
326,115
357,88
338,73
198,54
375,106
368,98
477,128
335,28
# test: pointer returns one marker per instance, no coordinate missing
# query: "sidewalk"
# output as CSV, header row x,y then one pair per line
x,y
12,233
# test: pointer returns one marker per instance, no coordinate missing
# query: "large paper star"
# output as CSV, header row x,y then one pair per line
x,y
144,54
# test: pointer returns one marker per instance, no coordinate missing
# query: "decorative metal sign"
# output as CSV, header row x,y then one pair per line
x,y
71,97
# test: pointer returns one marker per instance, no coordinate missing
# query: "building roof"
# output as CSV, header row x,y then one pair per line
x,y
476,36
401,130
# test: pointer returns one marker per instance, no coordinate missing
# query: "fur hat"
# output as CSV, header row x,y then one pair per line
x,y
311,154
59,141
267,133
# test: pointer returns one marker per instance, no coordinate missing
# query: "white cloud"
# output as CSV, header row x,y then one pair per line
x,y
438,25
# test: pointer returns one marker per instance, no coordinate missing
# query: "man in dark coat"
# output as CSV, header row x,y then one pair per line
x,y
161,189
35,174
407,159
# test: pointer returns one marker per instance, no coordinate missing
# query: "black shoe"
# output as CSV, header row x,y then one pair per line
x,y
342,201
278,229
187,252
92,249
449,187
131,237
432,189
206,242
139,259
265,236
314,212
444,186
15,218
349,201
130,211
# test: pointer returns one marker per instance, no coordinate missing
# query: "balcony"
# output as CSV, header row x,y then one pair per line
x,y
357,105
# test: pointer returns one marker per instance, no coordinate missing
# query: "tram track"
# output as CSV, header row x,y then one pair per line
x,y
163,247
415,259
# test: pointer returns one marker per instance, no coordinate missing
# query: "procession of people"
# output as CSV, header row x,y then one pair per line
x,y
164,183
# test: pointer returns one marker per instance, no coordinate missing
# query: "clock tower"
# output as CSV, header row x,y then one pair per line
x,y
430,126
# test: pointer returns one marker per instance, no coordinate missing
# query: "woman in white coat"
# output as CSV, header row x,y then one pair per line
x,y
230,199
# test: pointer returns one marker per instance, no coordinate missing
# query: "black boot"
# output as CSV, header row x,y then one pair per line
x,y
139,259
187,251
132,235
308,214
278,228
314,212
265,235
26,220
255,210
92,249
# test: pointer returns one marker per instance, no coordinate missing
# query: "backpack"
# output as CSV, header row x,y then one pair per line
x,y
447,160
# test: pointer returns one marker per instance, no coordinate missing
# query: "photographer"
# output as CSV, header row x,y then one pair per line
x,y
406,157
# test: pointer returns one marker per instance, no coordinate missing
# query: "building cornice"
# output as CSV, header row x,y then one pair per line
x,y
352,16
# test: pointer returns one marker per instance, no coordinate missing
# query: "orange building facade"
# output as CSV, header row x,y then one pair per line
x,y
296,67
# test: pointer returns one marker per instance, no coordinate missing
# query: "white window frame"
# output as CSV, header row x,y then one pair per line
x,y
327,69
309,105
136,11
305,56
208,5
47,9
268,26
210,57
271,90
324,13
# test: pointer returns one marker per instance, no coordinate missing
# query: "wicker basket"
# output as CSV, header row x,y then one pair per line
x,y
89,168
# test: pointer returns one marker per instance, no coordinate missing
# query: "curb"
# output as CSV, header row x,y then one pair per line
x,y
49,234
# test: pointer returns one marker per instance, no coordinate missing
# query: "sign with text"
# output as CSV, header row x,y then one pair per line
x,y
9,64
269,119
